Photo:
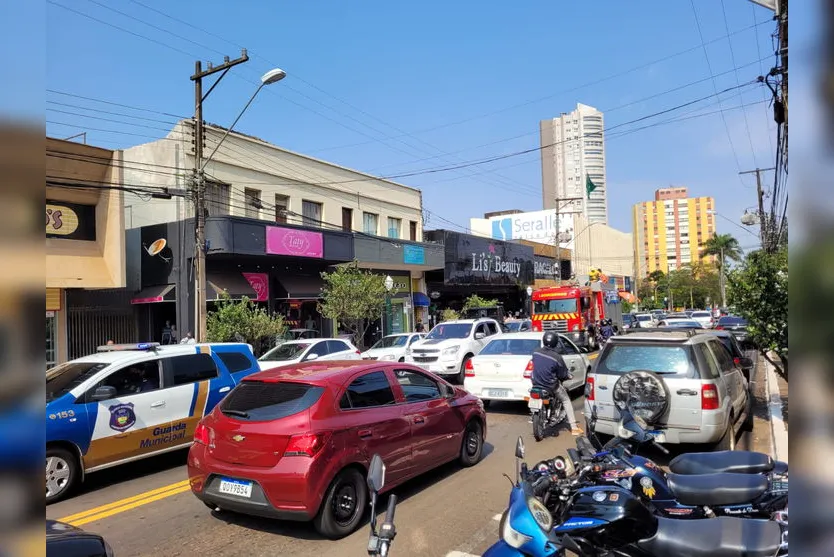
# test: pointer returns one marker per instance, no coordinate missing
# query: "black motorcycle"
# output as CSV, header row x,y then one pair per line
x,y
546,411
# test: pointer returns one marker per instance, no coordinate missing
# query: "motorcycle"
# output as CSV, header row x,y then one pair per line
x,y
670,495
602,521
379,542
545,410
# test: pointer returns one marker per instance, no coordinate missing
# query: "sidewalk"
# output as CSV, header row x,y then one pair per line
x,y
770,411
778,409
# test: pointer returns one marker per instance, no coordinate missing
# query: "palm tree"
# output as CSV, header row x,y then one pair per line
x,y
725,247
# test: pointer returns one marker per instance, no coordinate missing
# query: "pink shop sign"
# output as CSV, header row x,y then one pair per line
x,y
260,284
298,243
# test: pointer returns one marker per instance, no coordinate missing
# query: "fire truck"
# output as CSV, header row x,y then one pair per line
x,y
574,311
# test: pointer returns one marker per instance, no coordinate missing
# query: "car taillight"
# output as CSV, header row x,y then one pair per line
x,y
358,353
709,398
737,361
528,371
719,328
306,444
469,369
589,388
201,435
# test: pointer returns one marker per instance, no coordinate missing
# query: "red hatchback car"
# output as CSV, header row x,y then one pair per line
x,y
295,442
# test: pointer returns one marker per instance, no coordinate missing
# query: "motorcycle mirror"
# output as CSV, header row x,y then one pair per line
x,y
519,448
376,474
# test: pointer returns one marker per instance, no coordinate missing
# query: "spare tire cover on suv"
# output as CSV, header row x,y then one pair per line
x,y
643,393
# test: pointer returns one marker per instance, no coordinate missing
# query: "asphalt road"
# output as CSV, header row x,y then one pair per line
x,y
146,508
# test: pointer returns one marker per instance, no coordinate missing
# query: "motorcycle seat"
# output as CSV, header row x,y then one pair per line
x,y
716,489
740,462
714,537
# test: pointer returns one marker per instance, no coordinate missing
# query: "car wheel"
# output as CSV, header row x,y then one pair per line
x,y
486,403
472,446
748,421
62,472
728,442
343,505
462,374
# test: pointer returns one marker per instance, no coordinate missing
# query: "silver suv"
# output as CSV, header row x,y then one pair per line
x,y
700,393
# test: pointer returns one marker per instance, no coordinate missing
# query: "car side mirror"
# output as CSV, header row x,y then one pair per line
x,y
311,357
448,392
744,361
376,474
105,392
479,336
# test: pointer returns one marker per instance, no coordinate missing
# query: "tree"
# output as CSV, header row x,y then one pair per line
x,y
243,321
758,290
353,297
449,314
475,301
724,247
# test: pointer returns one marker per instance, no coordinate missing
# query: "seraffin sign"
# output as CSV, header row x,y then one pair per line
x,y
539,226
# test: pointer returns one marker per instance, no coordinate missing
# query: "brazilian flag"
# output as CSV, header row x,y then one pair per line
x,y
589,186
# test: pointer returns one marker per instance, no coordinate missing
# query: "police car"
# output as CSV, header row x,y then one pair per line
x,y
132,401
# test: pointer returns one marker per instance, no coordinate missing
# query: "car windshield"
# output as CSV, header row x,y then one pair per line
x,y
450,330
555,306
515,326
644,318
390,341
682,323
284,352
732,321
63,378
697,314
663,359
511,347
628,318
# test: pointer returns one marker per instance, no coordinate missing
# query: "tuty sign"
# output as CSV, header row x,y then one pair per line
x,y
70,221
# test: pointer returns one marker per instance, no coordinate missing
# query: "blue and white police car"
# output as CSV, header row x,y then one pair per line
x,y
132,401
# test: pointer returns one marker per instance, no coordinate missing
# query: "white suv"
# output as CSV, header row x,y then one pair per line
x,y
451,344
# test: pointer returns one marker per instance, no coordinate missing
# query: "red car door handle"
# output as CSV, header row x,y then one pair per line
x,y
419,420
365,433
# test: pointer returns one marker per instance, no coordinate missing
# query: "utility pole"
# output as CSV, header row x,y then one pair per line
x,y
764,235
198,187
558,239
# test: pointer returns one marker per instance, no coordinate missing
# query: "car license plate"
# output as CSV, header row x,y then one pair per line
x,y
659,436
535,404
498,393
236,487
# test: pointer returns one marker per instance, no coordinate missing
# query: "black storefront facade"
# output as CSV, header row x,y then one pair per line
x,y
482,266
277,266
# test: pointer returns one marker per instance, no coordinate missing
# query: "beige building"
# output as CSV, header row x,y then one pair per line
x,y
249,177
669,231
84,238
598,246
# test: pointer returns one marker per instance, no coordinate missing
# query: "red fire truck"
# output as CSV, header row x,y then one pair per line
x,y
570,310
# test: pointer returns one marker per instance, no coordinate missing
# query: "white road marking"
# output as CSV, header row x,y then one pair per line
x,y
460,554
497,517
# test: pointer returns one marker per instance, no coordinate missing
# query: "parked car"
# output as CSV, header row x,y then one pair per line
x,y
737,327
678,322
518,326
644,320
707,394
704,318
131,401
629,320
295,443
677,315
393,347
449,345
736,350
63,540
503,369
295,351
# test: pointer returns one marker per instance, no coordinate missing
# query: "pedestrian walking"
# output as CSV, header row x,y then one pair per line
x,y
419,328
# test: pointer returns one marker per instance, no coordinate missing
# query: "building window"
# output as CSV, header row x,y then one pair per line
x,y
252,199
217,199
311,213
370,223
347,219
412,231
394,226
51,340
282,203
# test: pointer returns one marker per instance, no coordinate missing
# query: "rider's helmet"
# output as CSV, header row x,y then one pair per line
x,y
550,339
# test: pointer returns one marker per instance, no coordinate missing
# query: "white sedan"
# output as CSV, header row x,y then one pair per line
x,y
306,350
392,348
503,369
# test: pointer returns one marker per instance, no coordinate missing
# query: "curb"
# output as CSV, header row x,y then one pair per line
x,y
779,435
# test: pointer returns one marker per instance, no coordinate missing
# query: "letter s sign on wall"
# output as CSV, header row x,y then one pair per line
x,y
70,221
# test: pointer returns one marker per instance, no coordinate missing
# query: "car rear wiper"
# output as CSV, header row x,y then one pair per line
x,y
239,413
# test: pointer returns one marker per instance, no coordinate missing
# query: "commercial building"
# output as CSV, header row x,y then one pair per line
x,y
275,221
85,252
573,150
669,231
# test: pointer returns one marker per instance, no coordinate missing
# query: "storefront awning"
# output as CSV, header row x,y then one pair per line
x,y
301,287
231,283
155,294
421,300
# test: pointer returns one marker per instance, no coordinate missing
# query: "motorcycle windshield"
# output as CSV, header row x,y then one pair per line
x,y
522,529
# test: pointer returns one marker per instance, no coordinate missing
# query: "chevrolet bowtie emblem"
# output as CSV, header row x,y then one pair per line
x,y
238,438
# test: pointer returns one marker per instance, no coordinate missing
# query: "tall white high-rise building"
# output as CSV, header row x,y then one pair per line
x,y
573,150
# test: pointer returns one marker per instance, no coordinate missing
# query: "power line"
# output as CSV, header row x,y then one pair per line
x,y
66,94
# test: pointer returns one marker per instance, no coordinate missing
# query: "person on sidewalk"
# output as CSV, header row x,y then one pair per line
x,y
549,370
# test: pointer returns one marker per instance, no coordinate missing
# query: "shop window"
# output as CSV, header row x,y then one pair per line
x,y
252,199
51,341
412,231
370,223
282,203
394,226
347,219
311,213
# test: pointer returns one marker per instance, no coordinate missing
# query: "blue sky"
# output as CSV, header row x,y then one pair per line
x,y
394,87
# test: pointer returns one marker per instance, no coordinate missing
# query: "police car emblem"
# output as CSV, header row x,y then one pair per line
x,y
122,416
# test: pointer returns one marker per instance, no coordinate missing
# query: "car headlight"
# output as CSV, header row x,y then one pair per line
x,y
451,351
540,513
388,357
512,537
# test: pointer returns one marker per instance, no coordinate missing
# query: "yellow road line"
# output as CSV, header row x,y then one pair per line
x,y
127,503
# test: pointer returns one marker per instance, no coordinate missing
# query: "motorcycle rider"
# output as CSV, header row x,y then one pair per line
x,y
549,370
606,330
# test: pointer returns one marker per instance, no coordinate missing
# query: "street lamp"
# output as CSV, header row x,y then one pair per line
x,y
389,285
